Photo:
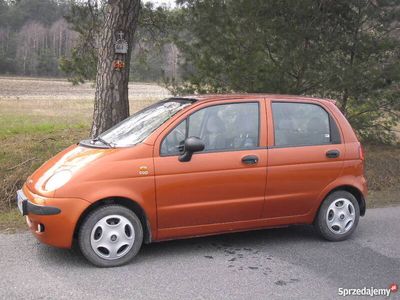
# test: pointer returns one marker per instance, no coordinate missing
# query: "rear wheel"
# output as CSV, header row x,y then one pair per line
x,y
110,236
338,216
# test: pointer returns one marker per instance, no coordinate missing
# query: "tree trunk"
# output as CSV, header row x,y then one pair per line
x,y
111,99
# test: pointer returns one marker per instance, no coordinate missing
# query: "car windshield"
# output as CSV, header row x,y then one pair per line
x,y
140,125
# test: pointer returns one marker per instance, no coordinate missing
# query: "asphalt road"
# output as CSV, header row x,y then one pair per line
x,y
290,263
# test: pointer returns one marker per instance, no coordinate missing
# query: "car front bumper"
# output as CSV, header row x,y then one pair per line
x,y
51,220
25,207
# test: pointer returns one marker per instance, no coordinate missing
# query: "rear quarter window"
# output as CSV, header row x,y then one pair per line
x,y
302,124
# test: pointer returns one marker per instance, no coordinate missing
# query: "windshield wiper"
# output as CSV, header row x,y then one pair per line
x,y
103,141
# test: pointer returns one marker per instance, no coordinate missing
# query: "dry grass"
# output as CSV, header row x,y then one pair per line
x,y
382,169
11,221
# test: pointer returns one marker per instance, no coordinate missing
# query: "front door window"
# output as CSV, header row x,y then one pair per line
x,y
221,127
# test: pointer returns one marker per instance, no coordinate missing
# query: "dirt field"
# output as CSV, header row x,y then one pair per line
x,y
25,88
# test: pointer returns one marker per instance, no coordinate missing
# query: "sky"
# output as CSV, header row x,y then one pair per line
x,y
168,3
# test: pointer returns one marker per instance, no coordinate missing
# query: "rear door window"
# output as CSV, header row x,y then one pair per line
x,y
301,124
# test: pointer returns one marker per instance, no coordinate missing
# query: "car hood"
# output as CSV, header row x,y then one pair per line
x,y
73,158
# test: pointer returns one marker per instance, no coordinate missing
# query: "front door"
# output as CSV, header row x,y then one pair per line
x,y
225,182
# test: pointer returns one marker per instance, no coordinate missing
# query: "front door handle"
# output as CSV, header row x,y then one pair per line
x,y
250,159
332,153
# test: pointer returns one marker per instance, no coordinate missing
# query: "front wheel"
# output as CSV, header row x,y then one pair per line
x,y
110,236
338,216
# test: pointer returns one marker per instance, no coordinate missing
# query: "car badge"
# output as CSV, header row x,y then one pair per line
x,y
143,170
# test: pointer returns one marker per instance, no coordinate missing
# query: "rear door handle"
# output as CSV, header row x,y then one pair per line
x,y
332,153
250,159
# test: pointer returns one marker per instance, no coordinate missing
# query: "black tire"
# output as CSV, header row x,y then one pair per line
x,y
321,223
85,231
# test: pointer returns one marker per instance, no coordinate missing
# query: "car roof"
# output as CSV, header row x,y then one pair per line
x,y
215,97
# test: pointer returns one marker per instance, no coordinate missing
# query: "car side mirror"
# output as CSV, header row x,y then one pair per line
x,y
192,144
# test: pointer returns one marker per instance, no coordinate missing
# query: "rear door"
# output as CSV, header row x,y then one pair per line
x,y
305,156
225,182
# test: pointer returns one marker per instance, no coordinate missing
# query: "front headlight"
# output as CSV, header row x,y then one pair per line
x,y
58,180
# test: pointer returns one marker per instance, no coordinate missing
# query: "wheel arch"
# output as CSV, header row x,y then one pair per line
x,y
126,202
352,190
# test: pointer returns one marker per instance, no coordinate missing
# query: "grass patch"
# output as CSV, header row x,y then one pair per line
x,y
11,221
19,125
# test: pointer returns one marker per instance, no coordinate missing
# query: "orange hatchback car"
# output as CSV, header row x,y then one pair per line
x,y
200,165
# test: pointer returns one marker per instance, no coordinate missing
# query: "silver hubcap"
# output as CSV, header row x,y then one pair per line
x,y
112,237
340,216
